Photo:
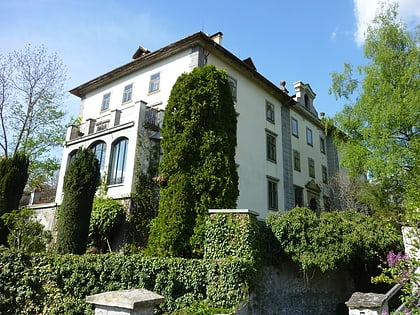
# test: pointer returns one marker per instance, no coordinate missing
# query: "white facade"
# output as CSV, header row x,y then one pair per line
x,y
265,144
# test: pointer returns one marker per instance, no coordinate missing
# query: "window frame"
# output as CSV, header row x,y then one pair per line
x,y
271,146
102,154
322,145
295,123
272,194
324,174
154,83
296,161
311,168
298,197
233,83
309,137
118,162
127,93
106,101
270,112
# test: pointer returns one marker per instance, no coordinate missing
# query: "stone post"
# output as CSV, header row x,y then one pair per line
x,y
125,302
367,304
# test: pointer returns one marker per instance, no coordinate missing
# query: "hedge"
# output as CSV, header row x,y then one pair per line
x,y
58,284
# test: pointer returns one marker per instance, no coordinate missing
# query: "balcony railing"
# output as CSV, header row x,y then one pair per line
x,y
152,119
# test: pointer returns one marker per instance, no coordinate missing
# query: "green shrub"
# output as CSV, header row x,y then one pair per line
x,y
58,284
13,178
334,239
199,141
80,183
26,233
107,215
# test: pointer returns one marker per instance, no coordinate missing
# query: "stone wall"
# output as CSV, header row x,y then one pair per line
x,y
286,290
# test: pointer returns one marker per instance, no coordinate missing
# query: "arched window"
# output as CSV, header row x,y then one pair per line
x,y
118,158
71,157
99,149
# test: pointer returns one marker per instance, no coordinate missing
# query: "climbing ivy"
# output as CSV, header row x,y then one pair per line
x,y
334,239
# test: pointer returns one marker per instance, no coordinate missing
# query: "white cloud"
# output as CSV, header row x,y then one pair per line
x,y
365,10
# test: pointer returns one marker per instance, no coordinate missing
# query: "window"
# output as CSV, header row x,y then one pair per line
x,y
71,157
309,138
105,101
271,146
269,111
324,174
128,91
99,149
298,196
311,166
322,145
233,86
272,194
296,160
118,158
154,82
307,101
295,129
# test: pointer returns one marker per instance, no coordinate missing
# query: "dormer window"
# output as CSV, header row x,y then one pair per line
x,y
307,105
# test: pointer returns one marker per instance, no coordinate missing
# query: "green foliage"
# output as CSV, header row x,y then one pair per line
x,y
199,141
382,122
333,240
26,234
80,183
107,215
13,177
59,284
233,235
31,116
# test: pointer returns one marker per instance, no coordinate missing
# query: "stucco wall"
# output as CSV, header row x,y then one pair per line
x,y
285,290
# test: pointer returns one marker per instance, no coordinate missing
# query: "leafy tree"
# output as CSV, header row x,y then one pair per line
x,y
198,165
13,177
26,233
334,239
31,93
107,215
382,119
80,183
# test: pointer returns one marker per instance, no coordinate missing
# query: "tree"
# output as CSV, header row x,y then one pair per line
x,y
13,177
26,233
80,183
31,93
382,119
107,215
198,165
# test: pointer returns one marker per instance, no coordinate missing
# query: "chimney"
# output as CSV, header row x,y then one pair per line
x,y
217,38
283,87
141,51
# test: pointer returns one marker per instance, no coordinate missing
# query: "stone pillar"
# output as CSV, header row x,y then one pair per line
x,y
367,304
125,302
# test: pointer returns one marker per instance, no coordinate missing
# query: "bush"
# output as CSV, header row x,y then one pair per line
x,y
58,284
334,239
26,234
199,141
80,183
107,215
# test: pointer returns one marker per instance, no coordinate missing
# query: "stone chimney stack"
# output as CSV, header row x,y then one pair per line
x,y
217,38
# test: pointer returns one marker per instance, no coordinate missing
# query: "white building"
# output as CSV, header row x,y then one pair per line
x,y
282,153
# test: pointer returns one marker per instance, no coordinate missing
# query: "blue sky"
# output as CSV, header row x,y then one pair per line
x,y
288,40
